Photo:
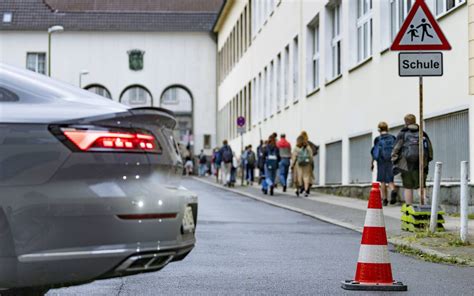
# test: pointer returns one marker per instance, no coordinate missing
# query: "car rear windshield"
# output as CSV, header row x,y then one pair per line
x,y
23,86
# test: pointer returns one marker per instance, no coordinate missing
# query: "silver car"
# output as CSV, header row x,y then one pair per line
x,y
89,188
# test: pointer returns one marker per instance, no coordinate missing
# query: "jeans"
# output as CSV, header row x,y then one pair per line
x,y
249,171
283,169
202,169
270,176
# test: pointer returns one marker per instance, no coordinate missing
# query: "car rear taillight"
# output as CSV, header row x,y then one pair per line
x,y
99,139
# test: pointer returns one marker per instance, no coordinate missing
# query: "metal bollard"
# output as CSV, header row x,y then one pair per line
x,y
464,200
435,197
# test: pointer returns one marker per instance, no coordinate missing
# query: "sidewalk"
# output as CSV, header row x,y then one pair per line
x,y
350,213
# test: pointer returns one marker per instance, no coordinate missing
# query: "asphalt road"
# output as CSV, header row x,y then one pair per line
x,y
250,248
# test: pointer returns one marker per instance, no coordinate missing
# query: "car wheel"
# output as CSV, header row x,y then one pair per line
x,y
25,292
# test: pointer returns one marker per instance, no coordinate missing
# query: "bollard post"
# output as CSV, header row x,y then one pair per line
x,y
435,197
464,200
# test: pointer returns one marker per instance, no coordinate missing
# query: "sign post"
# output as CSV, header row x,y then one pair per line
x,y
420,32
241,130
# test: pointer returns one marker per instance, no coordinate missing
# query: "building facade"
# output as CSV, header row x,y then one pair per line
x,y
325,67
157,54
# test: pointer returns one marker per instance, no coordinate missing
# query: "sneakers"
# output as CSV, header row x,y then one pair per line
x,y
297,193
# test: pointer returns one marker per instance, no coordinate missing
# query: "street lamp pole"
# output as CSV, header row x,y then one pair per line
x,y
51,30
83,72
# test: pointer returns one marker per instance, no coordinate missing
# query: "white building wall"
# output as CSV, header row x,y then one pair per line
x,y
187,59
365,94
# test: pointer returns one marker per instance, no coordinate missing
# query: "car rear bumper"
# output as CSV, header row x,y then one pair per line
x,y
68,267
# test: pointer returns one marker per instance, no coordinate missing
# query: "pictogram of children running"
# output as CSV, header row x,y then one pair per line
x,y
424,25
413,32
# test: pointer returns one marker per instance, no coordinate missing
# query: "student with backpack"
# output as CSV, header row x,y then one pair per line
x,y
202,164
250,162
284,148
405,156
382,153
302,166
261,161
271,156
226,164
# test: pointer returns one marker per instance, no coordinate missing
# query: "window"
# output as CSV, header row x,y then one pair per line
x,y
336,37
271,86
398,12
265,93
36,61
207,141
99,90
260,97
295,69
364,29
449,128
443,6
313,56
136,96
253,100
278,70
333,167
7,17
286,71
359,171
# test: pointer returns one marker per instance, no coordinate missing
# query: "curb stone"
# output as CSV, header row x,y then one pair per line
x,y
393,241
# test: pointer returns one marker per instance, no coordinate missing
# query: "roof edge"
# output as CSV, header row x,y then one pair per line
x,y
222,13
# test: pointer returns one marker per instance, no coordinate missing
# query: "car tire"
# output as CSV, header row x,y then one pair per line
x,y
25,292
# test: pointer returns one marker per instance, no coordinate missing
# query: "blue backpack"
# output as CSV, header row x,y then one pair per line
x,y
383,150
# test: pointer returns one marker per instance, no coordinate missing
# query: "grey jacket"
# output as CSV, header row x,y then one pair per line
x,y
400,164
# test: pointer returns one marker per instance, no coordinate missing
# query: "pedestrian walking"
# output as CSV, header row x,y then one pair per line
x,y
314,149
217,159
233,170
302,166
226,163
382,153
284,148
251,160
202,164
272,158
188,165
405,156
261,161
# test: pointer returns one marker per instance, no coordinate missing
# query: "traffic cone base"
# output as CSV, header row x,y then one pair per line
x,y
374,271
356,286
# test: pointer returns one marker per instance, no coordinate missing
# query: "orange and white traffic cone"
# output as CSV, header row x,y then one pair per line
x,y
374,272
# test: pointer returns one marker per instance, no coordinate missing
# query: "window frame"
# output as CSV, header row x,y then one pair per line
x,y
443,9
336,41
313,58
364,30
36,62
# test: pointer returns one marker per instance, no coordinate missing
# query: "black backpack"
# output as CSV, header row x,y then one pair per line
x,y
203,159
227,154
251,159
410,148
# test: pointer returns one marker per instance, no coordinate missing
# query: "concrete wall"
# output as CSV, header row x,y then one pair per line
x,y
187,59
